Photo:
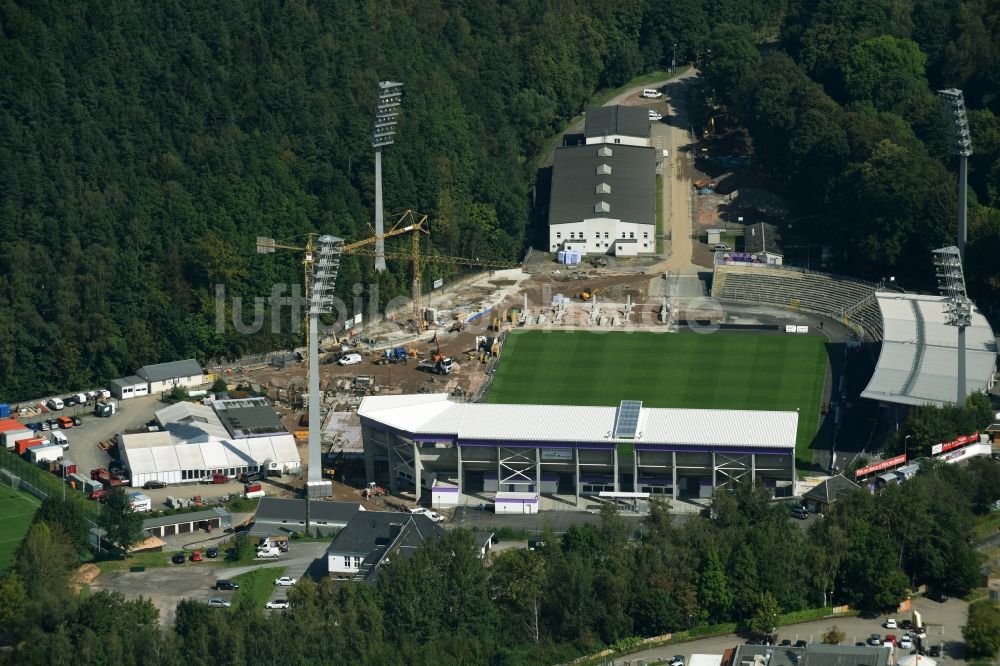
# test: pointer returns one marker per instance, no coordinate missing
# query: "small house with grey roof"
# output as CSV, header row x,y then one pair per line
x,y
372,538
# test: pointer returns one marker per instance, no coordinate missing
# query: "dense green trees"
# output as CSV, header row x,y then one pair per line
x,y
841,109
591,587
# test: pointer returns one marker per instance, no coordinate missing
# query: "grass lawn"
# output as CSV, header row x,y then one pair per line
x,y
17,509
720,371
256,586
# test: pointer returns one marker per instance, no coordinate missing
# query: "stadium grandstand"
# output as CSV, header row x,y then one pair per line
x,y
744,277
462,453
919,358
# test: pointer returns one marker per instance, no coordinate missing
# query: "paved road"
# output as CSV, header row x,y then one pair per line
x,y
166,586
944,622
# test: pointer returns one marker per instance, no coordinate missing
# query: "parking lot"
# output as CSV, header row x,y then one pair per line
x,y
943,621
166,586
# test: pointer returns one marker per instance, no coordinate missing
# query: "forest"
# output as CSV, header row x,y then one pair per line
x,y
588,588
144,146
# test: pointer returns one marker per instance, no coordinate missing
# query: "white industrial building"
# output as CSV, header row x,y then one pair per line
x,y
603,196
918,363
167,376
193,444
516,453
132,386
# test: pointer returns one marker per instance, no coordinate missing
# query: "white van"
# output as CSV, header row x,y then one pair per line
x,y
649,93
81,398
349,359
55,404
58,438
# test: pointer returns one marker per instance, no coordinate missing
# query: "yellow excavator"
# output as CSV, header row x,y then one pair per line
x,y
587,294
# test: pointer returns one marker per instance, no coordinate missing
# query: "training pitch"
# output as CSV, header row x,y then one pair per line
x,y
710,371
16,512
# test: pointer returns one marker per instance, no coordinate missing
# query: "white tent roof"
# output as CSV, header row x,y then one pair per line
x,y
434,414
918,364
146,455
187,420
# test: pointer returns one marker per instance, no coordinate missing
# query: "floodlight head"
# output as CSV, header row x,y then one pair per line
x,y
951,284
390,95
953,102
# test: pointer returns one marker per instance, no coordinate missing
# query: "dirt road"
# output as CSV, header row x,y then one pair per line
x,y
677,178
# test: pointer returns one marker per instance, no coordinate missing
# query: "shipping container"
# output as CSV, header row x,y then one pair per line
x,y
22,445
10,437
4,410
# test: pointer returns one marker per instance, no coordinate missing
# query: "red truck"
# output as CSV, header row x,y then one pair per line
x,y
105,477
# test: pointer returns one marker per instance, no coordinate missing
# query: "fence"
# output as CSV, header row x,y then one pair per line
x,y
37,481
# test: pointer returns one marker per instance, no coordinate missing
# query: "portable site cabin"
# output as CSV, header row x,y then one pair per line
x,y
907,472
45,452
442,495
883,480
507,503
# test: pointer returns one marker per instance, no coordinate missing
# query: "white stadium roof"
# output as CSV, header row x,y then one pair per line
x,y
918,364
433,414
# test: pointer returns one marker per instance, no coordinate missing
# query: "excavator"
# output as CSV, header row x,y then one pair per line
x,y
587,294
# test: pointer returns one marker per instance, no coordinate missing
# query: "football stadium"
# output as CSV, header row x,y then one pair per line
x,y
572,416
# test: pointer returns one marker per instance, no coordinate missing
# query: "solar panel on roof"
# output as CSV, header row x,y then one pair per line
x,y
627,418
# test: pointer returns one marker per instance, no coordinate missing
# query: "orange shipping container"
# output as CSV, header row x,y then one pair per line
x,y
23,445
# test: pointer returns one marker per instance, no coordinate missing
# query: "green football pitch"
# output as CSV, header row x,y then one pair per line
x,y
717,371
16,512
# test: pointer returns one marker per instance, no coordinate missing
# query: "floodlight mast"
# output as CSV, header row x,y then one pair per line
x,y
958,307
390,94
327,262
953,102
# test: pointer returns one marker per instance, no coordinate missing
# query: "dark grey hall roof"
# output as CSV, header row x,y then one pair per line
x,y
623,120
172,370
277,511
575,180
131,380
762,237
248,417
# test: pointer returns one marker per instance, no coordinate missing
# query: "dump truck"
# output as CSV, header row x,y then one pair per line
x,y
104,476
253,490
443,366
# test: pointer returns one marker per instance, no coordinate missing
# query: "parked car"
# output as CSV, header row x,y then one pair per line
x,y
153,485
45,425
875,639
70,401
676,660
860,644
800,513
225,584
98,494
655,115
285,581
935,650
651,93
212,553
218,603
77,421
890,624
906,624
905,643
52,423
277,604
801,644
196,556
178,558
32,426
785,643
937,595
